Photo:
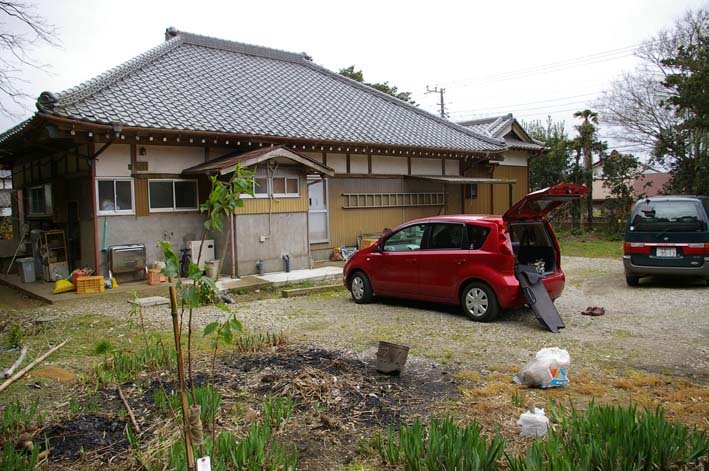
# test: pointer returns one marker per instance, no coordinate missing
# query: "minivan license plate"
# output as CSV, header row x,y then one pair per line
x,y
666,252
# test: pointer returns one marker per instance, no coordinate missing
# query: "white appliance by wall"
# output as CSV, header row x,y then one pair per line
x,y
207,251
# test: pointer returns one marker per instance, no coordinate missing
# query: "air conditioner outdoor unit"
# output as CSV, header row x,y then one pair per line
x,y
207,251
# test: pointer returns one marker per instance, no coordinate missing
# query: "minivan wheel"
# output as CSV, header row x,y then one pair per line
x,y
479,302
361,288
632,280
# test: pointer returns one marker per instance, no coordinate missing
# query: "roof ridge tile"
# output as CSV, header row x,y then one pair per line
x,y
243,48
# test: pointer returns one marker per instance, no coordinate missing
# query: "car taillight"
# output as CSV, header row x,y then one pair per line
x,y
505,242
635,248
696,249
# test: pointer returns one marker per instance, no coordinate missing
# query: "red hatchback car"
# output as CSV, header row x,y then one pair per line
x,y
468,260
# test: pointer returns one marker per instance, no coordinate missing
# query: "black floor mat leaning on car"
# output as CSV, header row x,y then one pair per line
x,y
538,298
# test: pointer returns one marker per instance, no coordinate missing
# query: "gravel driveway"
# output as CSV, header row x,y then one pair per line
x,y
659,328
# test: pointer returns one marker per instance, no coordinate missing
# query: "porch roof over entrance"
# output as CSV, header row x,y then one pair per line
x,y
226,164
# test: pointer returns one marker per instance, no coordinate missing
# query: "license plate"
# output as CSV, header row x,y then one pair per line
x,y
666,252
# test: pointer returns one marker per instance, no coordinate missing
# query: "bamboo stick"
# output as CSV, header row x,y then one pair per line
x,y
136,429
177,332
27,368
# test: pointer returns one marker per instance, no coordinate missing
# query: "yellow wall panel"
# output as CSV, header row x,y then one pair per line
x,y
274,205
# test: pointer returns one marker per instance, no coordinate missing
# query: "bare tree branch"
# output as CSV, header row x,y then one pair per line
x,y
21,30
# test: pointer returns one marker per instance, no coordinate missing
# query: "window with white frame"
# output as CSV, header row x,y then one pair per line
x,y
279,187
260,187
172,195
285,186
114,196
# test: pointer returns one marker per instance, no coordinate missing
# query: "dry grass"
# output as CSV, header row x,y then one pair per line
x,y
496,403
468,375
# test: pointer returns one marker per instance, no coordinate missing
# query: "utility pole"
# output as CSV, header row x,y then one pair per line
x,y
442,104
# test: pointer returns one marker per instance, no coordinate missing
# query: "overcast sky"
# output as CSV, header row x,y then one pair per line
x,y
529,58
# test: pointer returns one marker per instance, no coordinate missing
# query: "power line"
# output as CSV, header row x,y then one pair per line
x,y
522,110
551,67
514,106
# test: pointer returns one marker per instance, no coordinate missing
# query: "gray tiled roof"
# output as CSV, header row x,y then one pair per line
x,y
198,83
499,127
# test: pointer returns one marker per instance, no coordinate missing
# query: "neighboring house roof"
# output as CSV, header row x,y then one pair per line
x,y
198,83
613,153
504,127
227,164
648,184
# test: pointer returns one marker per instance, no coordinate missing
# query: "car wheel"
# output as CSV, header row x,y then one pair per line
x,y
479,302
361,288
632,280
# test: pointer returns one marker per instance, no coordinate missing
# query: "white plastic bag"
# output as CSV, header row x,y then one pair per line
x,y
534,424
549,369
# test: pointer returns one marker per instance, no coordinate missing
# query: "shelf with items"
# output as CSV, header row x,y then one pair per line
x,y
53,255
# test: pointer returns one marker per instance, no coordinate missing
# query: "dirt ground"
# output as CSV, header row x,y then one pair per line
x,y
650,348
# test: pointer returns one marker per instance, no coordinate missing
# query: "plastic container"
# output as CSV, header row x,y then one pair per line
x,y
76,275
154,277
90,284
27,274
212,269
391,358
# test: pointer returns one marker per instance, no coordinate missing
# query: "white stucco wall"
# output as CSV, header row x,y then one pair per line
x,y
452,167
359,163
515,159
215,152
388,165
425,166
317,156
337,162
171,159
114,161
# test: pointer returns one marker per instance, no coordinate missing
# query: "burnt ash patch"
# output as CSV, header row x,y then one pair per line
x,y
348,390
86,435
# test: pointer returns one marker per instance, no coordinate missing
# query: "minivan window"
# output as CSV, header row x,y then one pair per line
x,y
670,216
409,238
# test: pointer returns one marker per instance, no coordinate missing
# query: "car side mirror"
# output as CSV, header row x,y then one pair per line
x,y
378,248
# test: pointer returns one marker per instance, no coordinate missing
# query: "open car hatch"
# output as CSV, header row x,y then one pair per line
x,y
540,203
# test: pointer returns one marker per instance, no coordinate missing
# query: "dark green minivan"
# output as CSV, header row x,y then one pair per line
x,y
667,236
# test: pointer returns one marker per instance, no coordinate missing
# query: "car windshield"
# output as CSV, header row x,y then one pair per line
x,y
670,216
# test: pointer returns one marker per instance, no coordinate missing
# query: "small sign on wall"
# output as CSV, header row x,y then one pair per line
x,y
138,166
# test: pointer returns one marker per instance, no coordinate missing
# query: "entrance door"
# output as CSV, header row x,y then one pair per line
x,y
317,210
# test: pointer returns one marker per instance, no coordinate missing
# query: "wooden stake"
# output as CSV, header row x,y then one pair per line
x,y
182,390
136,429
27,368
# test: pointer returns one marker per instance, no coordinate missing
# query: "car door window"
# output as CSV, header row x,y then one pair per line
x,y
409,238
446,236
476,236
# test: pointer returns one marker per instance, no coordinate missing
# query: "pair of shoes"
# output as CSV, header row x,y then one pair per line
x,y
594,311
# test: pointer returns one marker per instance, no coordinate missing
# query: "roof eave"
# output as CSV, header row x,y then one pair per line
x,y
106,127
